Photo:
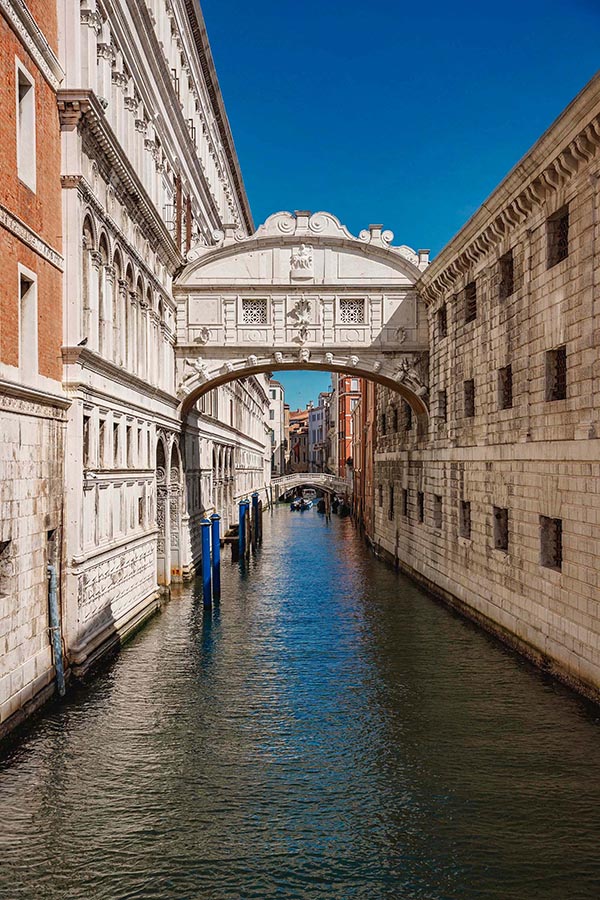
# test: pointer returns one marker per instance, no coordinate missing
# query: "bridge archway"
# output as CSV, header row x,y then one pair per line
x,y
302,293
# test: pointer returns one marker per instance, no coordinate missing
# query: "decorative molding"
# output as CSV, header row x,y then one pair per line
x,y
29,237
30,34
31,401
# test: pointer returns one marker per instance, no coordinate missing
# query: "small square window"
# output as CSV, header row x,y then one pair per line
x,y
421,506
442,320
505,395
470,302
437,511
551,543
500,528
464,523
469,392
352,311
556,374
507,275
558,236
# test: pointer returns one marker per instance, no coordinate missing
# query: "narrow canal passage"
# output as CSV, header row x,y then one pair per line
x,y
329,732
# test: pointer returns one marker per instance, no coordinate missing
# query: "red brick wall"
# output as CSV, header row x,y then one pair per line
x,y
40,210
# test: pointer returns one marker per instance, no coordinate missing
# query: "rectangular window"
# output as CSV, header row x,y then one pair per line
x,y
354,384
86,441
551,543
500,528
464,521
129,446
405,502
470,302
380,495
557,235
254,312
442,321
437,511
273,395
352,312
116,455
26,154
421,506
140,510
556,373
443,406
101,440
507,275
505,396
272,414
6,569
407,415
28,330
395,419
469,392
383,424
391,503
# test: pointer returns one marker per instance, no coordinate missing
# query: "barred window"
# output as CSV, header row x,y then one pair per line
x,y
352,311
505,396
391,503
420,506
469,391
551,543
464,523
500,528
557,234
442,318
443,405
507,275
556,373
437,511
470,302
395,419
383,423
405,502
380,495
407,415
254,312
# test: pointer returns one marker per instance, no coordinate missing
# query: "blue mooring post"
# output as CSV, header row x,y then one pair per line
x,y
206,587
216,556
242,529
255,519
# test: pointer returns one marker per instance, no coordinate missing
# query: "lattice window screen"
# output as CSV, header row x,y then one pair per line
x,y
254,312
352,312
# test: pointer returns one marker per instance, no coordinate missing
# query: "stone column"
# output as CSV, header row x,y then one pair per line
x,y
107,311
92,313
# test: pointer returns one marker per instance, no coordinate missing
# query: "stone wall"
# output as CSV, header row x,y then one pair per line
x,y
509,471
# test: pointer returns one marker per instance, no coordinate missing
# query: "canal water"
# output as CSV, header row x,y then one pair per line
x,y
329,732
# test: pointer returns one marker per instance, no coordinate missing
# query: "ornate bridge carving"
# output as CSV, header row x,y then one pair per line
x,y
322,481
302,293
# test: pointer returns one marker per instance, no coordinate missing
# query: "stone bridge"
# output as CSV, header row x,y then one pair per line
x,y
302,293
321,481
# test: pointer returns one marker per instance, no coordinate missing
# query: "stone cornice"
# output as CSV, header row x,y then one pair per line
x,y
82,109
25,399
29,237
88,359
33,39
570,143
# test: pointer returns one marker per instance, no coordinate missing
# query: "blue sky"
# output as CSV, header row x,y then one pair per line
x,y
408,115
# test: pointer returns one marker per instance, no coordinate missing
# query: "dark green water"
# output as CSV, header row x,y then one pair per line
x,y
329,732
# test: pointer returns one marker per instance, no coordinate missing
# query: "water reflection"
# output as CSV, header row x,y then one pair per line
x,y
328,731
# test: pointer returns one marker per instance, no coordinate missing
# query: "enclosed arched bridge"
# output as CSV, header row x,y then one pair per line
x,y
330,484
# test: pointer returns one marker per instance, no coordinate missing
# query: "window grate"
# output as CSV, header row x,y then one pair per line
x,y
352,312
558,236
505,392
443,406
405,502
469,392
420,506
254,312
464,525
507,275
470,302
391,503
500,528
437,511
556,374
551,543
442,319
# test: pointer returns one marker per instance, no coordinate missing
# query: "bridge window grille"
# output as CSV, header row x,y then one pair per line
x,y
469,389
442,318
352,311
551,543
464,523
437,511
405,502
556,373
507,275
470,302
421,506
500,528
254,312
505,392
558,236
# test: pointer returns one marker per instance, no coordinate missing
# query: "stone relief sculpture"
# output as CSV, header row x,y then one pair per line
x,y
301,263
304,355
203,337
406,374
278,357
194,370
252,360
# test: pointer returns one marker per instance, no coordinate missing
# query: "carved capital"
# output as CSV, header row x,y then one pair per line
x,y
105,51
91,18
96,259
